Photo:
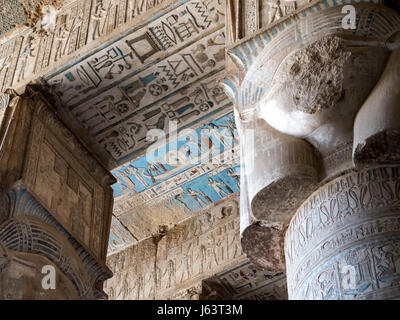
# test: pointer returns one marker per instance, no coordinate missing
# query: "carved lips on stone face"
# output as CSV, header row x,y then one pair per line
x,y
317,89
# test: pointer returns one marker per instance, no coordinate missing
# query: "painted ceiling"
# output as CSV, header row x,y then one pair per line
x,y
161,77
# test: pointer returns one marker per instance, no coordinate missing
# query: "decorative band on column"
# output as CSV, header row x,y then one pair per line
x,y
344,241
31,235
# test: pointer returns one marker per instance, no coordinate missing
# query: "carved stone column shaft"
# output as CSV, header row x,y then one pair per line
x,y
344,240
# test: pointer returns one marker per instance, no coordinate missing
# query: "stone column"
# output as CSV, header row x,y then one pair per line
x,y
344,240
278,170
56,206
331,94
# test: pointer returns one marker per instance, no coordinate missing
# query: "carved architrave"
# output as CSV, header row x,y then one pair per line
x,y
189,253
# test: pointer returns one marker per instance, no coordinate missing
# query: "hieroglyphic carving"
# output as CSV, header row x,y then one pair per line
x,y
359,211
8,61
128,54
119,93
198,248
78,24
120,119
37,149
188,253
273,10
245,17
247,282
251,17
76,198
376,274
151,192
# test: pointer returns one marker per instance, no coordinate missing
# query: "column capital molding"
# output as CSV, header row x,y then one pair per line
x,y
246,79
56,198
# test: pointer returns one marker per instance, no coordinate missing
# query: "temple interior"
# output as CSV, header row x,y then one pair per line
x,y
200,149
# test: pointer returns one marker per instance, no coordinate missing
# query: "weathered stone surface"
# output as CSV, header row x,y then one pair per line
x,y
178,263
81,196
245,17
21,278
57,201
153,191
278,173
317,100
281,171
314,75
263,246
377,124
64,30
314,51
307,76
303,76
16,13
245,282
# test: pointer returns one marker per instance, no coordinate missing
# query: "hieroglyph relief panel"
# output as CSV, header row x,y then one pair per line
x,y
202,253
152,191
246,17
29,53
141,80
79,197
203,150
166,35
187,254
248,282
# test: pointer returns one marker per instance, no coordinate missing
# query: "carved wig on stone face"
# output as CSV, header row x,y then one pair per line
x,y
318,88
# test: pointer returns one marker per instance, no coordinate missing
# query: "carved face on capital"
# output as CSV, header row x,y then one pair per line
x,y
318,88
21,278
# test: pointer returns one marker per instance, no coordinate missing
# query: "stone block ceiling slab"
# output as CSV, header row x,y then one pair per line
x,y
150,194
116,70
166,69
